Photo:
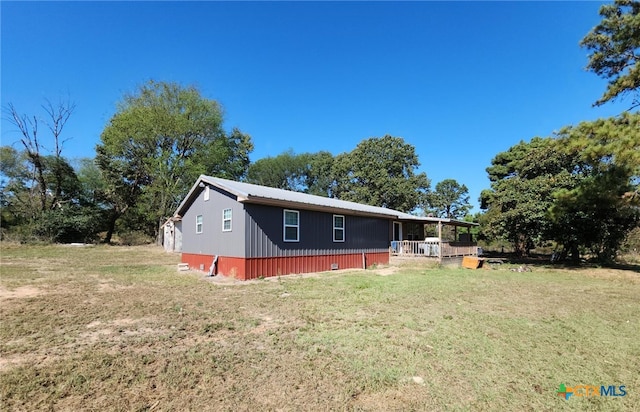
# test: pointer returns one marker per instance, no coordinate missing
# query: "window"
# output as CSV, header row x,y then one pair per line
x,y
226,220
291,226
199,224
338,228
206,193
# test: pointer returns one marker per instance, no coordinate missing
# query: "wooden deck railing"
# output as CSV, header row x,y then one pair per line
x,y
433,249
451,249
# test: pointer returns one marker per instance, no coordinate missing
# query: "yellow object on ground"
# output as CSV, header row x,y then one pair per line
x,y
471,262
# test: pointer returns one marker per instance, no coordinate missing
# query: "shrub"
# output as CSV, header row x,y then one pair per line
x,y
67,225
135,238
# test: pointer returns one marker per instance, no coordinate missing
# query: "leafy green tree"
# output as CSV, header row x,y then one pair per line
x,y
156,145
523,181
593,216
69,223
19,203
93,185
123,183
71,216
41,194
599,212
319,174
450,200
305,172
615,49
579,189
380,171
285,171
606,144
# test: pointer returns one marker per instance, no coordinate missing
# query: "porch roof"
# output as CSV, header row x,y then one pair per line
x,y
406,217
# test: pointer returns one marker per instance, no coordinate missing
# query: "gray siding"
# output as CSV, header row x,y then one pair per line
x,y
177,242
264,233
212,240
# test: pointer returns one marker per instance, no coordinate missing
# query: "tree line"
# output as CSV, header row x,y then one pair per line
x,y
160,140
577,189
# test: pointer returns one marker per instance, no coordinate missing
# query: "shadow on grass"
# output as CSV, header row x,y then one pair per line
x,y
544,261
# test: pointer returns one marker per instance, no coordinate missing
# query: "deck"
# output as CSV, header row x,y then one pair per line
x,y
433,249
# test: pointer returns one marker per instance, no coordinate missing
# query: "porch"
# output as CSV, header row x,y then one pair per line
x,y
433,249
433,238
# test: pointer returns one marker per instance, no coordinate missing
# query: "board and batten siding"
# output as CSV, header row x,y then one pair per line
x,y
213,241
264,234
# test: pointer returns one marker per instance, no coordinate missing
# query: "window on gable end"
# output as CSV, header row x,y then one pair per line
x,y
226,220
199,224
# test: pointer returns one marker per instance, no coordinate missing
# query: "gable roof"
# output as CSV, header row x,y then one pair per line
x,y
250,193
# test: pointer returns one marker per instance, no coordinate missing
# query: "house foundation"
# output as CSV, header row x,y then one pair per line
x,y
254,268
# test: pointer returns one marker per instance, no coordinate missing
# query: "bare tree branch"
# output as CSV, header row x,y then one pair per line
x,y
58,117
29,131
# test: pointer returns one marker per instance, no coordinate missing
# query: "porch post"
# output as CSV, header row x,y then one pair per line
x,y
439,240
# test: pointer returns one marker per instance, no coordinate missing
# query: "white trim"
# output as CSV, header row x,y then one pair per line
x,y
285,226
230,219
339,228
206,193
199,224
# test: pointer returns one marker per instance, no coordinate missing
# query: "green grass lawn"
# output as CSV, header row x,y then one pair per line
x,y
118,328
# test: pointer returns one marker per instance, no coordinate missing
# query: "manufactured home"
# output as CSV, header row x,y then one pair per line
x,y
249,231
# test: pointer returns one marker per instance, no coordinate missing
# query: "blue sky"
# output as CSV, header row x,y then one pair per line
x,y
461,81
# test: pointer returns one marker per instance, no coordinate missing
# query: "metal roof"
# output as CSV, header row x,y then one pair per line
x,y
250,193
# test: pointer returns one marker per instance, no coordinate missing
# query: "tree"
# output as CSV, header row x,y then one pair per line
x,y
579,189
305,172
320,178
159,141
41,194
615,49
603,207
286,171
592,216
380,171
449,199
71,215
19,203
523,180
31,141
609,143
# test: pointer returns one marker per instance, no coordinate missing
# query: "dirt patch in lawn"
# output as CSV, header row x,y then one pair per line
x,y
21,292
7,362
386,271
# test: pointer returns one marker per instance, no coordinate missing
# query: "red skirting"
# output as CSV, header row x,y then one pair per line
x,y
229,266
253,268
